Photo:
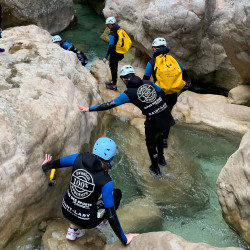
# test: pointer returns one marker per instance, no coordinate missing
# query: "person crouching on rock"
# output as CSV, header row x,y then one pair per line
x,y
147,96
70,47
90,198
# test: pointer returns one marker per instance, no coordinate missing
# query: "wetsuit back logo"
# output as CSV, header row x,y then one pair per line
x,y
81,184
146,93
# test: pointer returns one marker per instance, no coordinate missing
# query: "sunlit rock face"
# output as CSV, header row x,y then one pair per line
x,y
40,86
202,35
214,111
53,16
233,189
162,241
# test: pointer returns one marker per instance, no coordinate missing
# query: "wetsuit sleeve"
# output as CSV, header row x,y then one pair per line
x,y
111,45
157,88
180,65
67,45
108,201
121,99
148,71
66,161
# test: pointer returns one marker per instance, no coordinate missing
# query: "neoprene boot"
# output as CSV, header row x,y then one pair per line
x,y
155,171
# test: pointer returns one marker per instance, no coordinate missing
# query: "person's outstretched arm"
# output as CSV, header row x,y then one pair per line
x,y
109,205
121,99
59,163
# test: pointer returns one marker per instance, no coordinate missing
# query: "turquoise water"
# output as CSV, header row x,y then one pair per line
x,y
208,151
85,35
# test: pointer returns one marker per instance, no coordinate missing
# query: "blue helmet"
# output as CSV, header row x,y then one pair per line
x,y
105,148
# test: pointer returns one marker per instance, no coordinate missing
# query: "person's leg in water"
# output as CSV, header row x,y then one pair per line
x,y
74,232
150,132
159,145
171,101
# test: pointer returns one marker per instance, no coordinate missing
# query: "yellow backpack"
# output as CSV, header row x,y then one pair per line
x,y
168,74
124,42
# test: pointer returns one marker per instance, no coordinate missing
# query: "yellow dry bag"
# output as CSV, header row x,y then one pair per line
x,y
168,74
124,42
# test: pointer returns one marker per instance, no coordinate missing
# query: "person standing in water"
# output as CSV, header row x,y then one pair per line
x,y
147,97
90,187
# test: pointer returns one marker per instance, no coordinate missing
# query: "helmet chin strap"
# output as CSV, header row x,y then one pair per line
x,y
109,162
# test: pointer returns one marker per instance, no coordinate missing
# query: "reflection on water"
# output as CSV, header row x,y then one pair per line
x,y
190,219
85,35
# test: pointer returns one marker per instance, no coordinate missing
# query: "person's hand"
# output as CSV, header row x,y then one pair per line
x,y
130,237
104,60
82,108
48,158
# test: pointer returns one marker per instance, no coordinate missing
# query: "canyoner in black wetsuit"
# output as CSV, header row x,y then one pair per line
x,y
70,47
147,97
90,181
114,57
159,47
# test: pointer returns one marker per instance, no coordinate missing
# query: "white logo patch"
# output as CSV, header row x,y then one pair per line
x,y
81,184
146,93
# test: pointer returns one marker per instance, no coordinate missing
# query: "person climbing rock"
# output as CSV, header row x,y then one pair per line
x,y
70,47
168,73
90,198
147,97
119,44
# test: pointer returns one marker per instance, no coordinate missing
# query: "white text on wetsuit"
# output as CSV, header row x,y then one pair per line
x,y
79,215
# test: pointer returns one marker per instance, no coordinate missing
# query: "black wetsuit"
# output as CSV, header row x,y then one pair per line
x,y
111,51
147,97
88,182
80,55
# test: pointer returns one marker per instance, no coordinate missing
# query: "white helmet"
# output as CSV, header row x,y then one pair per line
x,y
159,41
56,39
110,20
127,69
